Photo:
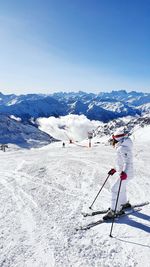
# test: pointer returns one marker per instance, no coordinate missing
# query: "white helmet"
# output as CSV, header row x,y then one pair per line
x,y
119,134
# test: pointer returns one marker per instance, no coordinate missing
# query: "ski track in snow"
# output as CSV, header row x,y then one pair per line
x,y
42,194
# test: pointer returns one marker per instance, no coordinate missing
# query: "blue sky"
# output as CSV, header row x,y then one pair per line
x,y
70,45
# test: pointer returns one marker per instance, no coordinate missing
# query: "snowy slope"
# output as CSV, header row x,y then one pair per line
x,y
13,131
42,194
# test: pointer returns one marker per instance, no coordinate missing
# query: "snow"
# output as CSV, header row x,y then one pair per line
x,y
142,135
25,135
15,118
42,194
103,107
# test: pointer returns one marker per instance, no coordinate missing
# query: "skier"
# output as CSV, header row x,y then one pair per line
x,y
124,171
63,144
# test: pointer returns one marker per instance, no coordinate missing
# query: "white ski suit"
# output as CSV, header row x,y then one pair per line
x,y
124,162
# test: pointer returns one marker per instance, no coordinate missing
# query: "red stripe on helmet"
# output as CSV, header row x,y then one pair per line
x,y
118,136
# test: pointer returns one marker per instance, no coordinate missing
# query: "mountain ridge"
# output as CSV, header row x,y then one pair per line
x,y
103,106
19,114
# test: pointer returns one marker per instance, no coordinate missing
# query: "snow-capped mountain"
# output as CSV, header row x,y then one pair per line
x,y
107,108
24,135
130,125
14,99
33,108
102,106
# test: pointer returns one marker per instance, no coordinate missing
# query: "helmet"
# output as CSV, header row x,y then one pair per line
x,y
119,134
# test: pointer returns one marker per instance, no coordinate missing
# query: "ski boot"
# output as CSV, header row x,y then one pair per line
x,y
126,205
109,215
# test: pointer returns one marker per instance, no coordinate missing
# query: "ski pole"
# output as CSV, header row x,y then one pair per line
x,y
115,209
99,191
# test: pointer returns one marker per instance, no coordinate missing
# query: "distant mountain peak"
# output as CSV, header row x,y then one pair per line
x,y
103,106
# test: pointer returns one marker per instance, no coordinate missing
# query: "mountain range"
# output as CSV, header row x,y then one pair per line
x,y
18,113
103,106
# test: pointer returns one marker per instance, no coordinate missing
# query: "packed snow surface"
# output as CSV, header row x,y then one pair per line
x,y
43,193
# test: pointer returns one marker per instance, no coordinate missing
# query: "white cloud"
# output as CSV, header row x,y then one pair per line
x,y
68,127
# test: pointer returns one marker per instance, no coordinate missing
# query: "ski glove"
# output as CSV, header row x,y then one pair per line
x,y
123,176
112,171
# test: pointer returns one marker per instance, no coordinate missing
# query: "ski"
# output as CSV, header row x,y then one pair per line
x,y
92,224
93,213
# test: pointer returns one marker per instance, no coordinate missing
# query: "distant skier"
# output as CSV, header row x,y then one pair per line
x,y
63,144
123,170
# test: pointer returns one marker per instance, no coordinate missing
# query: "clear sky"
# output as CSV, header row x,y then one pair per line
x,y
70,45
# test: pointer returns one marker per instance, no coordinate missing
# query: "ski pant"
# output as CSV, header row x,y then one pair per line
x,y
122,196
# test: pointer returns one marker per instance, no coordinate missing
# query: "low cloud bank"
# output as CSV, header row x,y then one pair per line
x,y
70,127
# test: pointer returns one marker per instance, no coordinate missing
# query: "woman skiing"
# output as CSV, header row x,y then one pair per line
x,y
123,170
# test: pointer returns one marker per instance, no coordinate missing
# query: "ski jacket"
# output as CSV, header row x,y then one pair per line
x,y
124,159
